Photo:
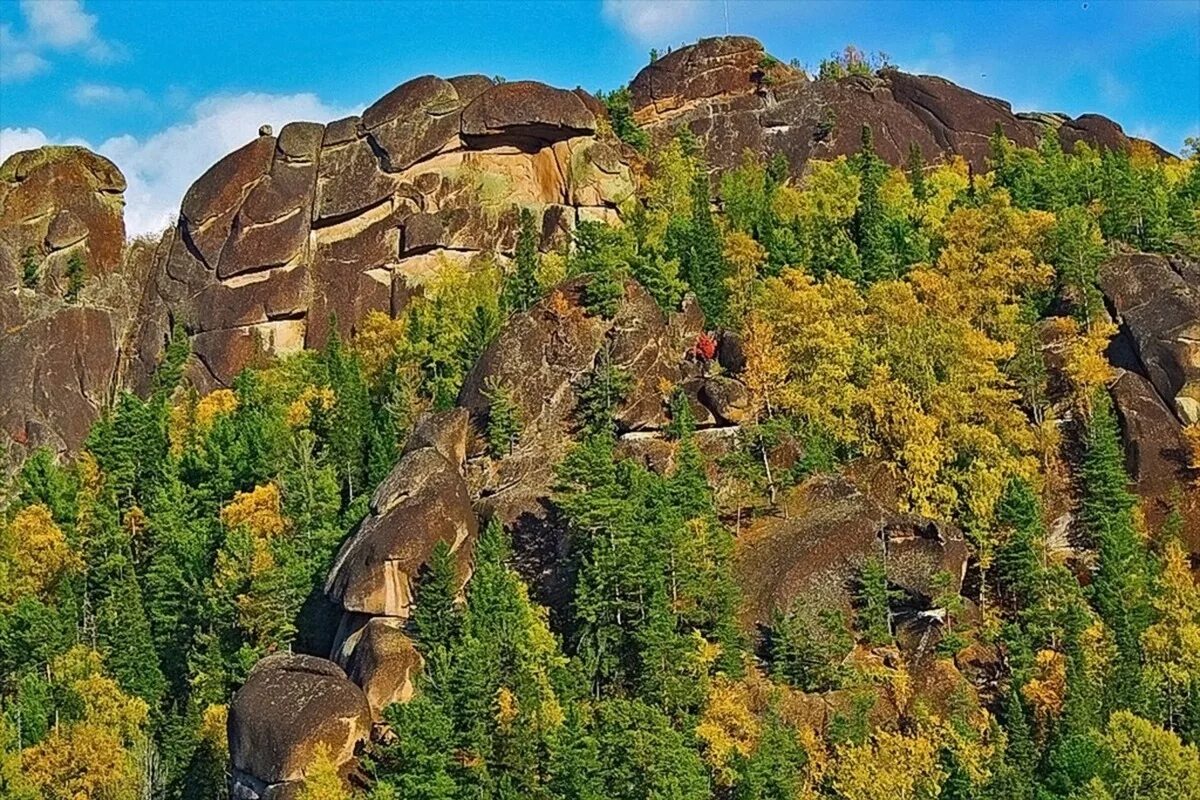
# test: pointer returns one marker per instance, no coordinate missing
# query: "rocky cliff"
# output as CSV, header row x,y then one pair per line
x,y
323,223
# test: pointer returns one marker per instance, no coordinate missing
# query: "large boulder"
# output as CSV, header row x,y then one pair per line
x,y
1156,454
735,97
422,501
1159,305
385,663
813,552
528,109
290,706
56,374
61,200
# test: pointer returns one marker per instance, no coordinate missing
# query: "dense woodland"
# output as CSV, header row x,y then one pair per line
x,y
889,315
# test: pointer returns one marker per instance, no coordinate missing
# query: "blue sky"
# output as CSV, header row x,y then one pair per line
x,y
165,88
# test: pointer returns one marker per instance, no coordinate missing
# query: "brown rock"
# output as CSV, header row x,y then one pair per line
x,y
55,376
289,706
728,399
1161,311
54,197
413,121
816,550
716,67
444,431
65,230
385,663
1156,455
423,501
527,109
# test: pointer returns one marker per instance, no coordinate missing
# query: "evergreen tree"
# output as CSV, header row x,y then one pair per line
x,y
809,648
30,271
1121,583
870,225
503,422
873,598
521,289
483,327
1076,250
602,391
76,273
774,769
916,173
702,263
436,618
350,420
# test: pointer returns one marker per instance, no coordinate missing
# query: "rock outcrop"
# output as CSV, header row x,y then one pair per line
x,y
735,97
814,551
290,706
333,221
1157,301
59,359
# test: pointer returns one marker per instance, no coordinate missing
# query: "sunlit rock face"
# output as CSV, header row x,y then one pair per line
x,y
331,222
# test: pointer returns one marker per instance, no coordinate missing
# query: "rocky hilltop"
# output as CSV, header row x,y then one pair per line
x,y
324,223
319,225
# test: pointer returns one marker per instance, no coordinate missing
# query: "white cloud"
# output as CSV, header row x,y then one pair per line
x,y
13,140
160,167
651,21
52,26
18,59
100,94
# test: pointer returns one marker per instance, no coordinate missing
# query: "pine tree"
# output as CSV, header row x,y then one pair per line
x,y
350,419
774,770
30,271
436,617
1076,249
702,262
873,615
602,391
483,327
521,289
916,173
76,272
808,648
870,224
503,422
1121,583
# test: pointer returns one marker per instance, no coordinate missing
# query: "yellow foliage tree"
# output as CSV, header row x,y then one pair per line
x,y
889,767
321,779
1172,644
34,555
1047,690
91,756
193,417
727,729
745,258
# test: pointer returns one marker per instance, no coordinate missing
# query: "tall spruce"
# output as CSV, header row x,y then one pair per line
x,y
1121,584
521,289
870,223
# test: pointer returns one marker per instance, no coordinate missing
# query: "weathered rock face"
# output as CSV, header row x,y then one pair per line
x,y
543,356
55,201
59,359
1156,301
289,706
423,501
735,97
385,663
815,551
342,219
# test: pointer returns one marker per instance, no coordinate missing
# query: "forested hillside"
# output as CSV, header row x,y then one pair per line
x,y
792,482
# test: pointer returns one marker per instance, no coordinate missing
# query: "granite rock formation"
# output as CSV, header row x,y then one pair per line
x,y
327,222
735,97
